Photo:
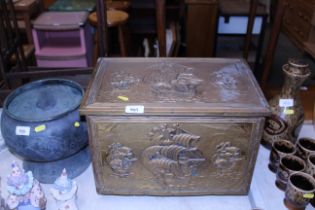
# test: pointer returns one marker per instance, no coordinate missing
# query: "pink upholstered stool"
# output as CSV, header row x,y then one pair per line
x,y
63,39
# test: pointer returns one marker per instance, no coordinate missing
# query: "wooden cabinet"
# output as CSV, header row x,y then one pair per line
x,y
26,11
201,25
174,126
297,21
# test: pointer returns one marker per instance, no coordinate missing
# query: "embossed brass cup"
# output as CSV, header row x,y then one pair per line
x,y
300,190
310,169
305,147
280,148
310,165
288,165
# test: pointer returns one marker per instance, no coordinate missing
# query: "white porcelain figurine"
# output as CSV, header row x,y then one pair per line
x,y
64,192
25,192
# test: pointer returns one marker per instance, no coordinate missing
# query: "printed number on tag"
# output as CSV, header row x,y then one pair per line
x,y
134,109
22,130
286,102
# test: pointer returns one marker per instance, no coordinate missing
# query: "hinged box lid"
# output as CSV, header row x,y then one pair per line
x,y
173,86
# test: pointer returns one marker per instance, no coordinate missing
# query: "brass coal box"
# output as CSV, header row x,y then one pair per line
x,y
173,126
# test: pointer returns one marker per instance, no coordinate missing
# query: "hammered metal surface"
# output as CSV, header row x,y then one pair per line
x,y
173,156
176,84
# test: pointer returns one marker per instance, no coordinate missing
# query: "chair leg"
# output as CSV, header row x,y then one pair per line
x,y
272,43
96,49
123,43
3,75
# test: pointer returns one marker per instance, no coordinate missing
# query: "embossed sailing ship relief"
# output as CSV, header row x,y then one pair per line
x,y
226,156
175,158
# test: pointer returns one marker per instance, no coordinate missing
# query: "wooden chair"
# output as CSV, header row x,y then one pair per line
x,y
272,43
12,53
250,25
118,5
13,68
116,16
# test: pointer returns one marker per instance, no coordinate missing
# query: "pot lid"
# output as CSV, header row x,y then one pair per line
x,y
174,86
43,100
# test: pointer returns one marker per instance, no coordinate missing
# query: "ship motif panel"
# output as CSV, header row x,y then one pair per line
x,y
226,156
168,82
227,83
120,159
123,80
174,158
163,82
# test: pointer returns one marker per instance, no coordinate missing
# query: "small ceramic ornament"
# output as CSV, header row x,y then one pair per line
x,y
25,192
64,192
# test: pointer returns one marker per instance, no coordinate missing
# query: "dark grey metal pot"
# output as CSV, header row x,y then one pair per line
x,y
40,121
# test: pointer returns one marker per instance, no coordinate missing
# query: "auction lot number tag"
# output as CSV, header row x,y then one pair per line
x,y
137,109
22,130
